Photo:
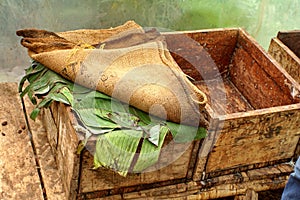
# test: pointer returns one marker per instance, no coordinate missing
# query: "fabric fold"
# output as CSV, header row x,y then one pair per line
x,y
126,63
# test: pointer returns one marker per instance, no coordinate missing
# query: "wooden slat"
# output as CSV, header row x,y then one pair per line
x,y
250,195
65,146
268,64
246,189
203,55
105,179
259,138
256,85
51,178
291,39
19,177
286,57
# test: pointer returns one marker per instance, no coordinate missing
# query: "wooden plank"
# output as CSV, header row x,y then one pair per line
x,y
105,179
233,101
203,55
268,63
256,138
205,149
250,195
291,39
51,178
286,57
19,177
59,135
228,190
255,83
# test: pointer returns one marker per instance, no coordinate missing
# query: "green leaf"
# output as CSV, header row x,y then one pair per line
x,y
35,112
116,150
90,119
149,153
154,134
66,92
183,133
125,120
144,117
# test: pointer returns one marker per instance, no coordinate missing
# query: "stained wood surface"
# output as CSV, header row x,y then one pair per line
x,y
64,143
227,98
291,39
203,55
255,83
268,64
286,57
250,195
256,138
18,171
241,185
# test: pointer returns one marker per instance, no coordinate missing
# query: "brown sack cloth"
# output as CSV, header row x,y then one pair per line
x,y
124,62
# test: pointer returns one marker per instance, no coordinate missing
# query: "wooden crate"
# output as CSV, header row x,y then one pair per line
x,y
252,125
285,48
257,125
81,181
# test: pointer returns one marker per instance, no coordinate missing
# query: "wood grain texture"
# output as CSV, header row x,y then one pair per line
x,y
18,171
291,39
224,98
203,55
256,85
64,144
256,138
232,185
268,64
77,170
286,57
52,181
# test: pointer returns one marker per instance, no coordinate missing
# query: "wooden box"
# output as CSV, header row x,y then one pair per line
x,y
253,122
81,181
285,48
257,124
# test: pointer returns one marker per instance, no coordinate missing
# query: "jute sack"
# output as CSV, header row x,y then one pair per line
x,y
124,62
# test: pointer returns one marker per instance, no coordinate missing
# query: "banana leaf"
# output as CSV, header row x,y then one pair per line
x,y
123,132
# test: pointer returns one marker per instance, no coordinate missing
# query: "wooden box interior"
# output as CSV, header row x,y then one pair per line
x,y
291,39
251,81
285,48
257,110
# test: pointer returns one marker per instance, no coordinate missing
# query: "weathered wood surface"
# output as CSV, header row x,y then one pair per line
x,y
76,170
243,185
203,54
18,171
64,143
256,127
51,179
250,195
291,39
286,57
236,102
268,63
256,137
257,106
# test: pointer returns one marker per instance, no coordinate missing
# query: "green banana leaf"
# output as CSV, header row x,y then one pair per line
x,y
128,139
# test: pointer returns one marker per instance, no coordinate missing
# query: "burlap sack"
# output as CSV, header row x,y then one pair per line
x,y
125,63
